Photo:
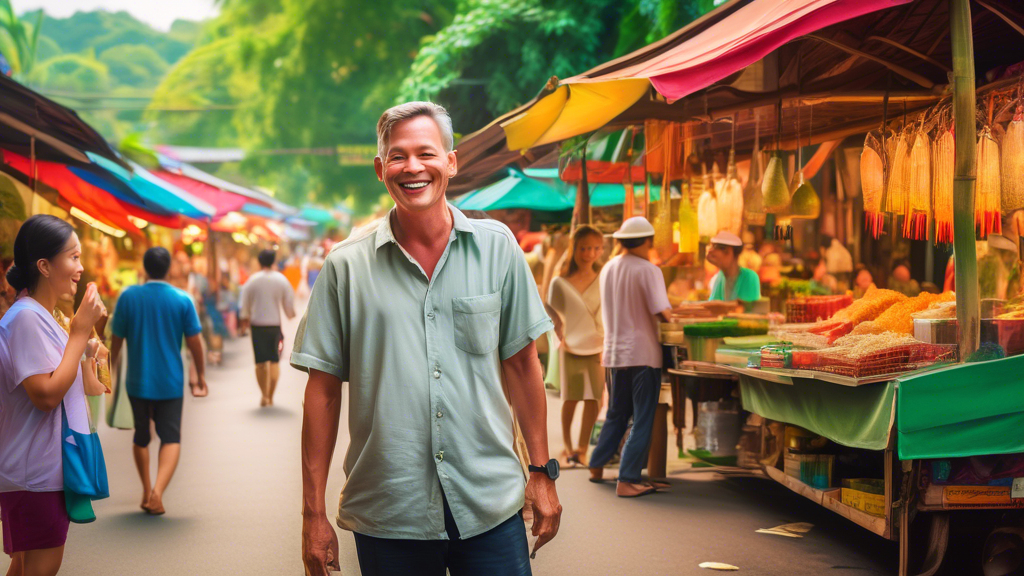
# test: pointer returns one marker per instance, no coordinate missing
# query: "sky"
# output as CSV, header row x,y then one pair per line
x,y
157,13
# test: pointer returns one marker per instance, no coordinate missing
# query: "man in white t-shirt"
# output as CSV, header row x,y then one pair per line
x,y
264,295
633,299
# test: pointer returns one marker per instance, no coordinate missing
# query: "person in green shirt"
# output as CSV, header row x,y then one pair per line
x,y
732,282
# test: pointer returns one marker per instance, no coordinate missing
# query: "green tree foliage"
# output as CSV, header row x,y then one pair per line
x,y
496,55
301,74
134,65
18,40
73,73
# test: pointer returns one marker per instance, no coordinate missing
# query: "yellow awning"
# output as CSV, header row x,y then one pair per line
x,y
571,110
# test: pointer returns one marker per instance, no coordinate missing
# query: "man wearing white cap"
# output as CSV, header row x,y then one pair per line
x,y
633,296
732,282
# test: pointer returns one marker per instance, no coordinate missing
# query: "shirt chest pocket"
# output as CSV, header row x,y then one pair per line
x,y
477,319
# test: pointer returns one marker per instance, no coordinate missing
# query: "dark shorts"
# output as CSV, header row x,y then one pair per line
x,y
166,416
33,520
266,343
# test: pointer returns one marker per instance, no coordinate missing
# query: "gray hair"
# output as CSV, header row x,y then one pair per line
x,y
409,110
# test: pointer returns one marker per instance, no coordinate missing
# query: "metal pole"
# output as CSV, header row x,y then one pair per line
x,y
968,308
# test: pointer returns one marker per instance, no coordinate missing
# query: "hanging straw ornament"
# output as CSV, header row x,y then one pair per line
x,y
689,233
730,195
753,203
987,187
943,155
919,187
897,199
872,182
663,207
805,203
1013,163
707,208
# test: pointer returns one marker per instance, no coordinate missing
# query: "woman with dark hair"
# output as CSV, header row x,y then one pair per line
x,y
41,379
575,296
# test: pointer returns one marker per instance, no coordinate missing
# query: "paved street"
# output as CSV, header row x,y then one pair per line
x,y
233,507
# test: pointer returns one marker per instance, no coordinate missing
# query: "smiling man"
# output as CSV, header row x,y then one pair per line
x,y
423,315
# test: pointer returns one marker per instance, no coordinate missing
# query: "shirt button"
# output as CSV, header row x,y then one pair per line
x,y
437,373
439,456
440,414
430,314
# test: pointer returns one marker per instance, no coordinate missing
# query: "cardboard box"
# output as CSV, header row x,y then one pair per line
x,y
873,504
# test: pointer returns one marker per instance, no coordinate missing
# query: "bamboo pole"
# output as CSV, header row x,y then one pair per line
x,y
967,304
581,211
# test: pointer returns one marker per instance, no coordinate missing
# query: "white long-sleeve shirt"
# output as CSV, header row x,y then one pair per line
x,y
263,297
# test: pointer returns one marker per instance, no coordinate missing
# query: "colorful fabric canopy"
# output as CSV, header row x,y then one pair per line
x,y
156,190
587,102
572,110
221,200
96,202
318,215
516,191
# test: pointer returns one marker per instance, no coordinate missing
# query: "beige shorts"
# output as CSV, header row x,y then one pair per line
x,y
582,377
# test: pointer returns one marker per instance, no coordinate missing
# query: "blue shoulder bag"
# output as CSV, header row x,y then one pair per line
x,y
85,472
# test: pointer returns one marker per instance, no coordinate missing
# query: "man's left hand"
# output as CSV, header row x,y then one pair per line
x,y
547,512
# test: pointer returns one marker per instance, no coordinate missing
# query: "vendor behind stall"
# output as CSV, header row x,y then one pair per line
x,y
733,282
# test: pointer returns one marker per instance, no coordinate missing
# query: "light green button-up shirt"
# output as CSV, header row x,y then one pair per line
x,y
427,409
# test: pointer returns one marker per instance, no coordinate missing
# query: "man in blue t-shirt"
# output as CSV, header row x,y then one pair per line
x,y
153,318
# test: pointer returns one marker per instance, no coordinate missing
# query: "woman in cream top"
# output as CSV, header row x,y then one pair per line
x,y
575,297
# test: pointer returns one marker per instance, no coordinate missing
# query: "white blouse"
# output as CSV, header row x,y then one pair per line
x,y
581,316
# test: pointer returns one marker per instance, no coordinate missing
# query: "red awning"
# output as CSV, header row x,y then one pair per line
x,y
222,200
94,201
740,39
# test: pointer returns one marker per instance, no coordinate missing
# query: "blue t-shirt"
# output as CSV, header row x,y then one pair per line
x,y
153,318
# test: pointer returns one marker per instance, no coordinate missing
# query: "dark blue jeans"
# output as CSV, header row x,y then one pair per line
x,y
501,551
632,392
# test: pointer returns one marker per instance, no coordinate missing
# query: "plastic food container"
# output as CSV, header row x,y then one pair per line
x,y
1007,333
936,330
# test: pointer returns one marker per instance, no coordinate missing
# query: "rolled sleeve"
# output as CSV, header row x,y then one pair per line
x,y
657,294
319,341
523,318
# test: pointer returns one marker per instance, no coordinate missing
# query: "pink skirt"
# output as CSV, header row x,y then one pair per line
x,y
33,520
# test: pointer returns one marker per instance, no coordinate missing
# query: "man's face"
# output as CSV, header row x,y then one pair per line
x,y
721,255
415,168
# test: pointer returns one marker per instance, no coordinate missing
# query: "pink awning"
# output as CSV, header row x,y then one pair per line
x,y
740,39
222,200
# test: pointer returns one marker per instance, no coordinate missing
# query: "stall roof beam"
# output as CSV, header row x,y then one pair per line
x,y
1004,17
909,75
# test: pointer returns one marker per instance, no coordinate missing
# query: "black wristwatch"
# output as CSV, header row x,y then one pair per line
x,y
551,469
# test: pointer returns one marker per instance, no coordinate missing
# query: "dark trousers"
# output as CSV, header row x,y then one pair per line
x,y
632,392
501,551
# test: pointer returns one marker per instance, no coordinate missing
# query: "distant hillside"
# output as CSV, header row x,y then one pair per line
x,y
105,65
101,30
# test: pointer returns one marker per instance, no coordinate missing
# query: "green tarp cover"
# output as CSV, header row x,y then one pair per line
x,y
963,410
859,417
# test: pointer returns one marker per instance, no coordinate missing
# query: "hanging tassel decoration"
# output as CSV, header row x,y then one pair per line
x,y
987,187
872,182
943,153
915,227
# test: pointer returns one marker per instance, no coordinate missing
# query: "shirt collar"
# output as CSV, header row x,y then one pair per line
x,y
460,223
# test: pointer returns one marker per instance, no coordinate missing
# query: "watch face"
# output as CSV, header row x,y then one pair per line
x,y
553,469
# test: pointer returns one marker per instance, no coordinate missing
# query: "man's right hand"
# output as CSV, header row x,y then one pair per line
x,y
319,546
200,390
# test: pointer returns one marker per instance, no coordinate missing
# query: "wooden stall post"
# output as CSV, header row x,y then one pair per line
x,y
967,304
581,211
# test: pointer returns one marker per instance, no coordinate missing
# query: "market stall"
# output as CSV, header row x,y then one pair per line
x,y
837,139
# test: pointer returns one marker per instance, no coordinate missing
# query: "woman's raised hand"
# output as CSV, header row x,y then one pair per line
x,y
89,312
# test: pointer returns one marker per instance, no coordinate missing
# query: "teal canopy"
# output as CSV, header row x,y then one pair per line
x,y
602,195
156,190
318,215
517,191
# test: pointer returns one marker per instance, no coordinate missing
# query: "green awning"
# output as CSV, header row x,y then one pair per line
x,y
318,215
962,410
517,191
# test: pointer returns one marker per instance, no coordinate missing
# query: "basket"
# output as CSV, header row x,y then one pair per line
x,y
814,308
